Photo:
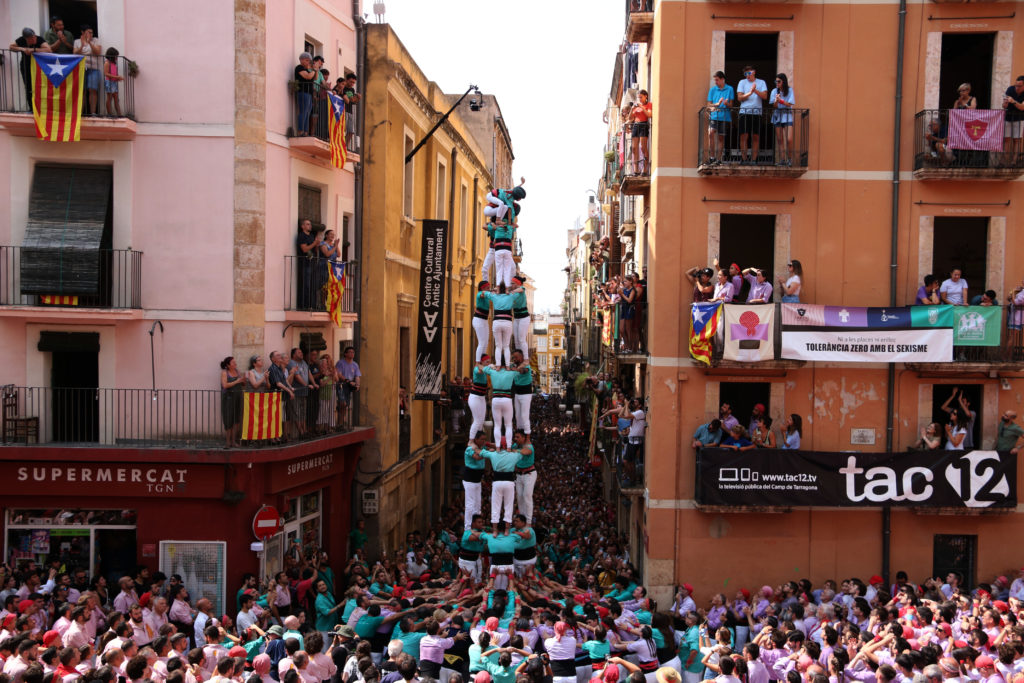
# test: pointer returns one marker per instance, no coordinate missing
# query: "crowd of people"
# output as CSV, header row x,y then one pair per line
x,y
750,285
743,108
312,82
580,613
936,144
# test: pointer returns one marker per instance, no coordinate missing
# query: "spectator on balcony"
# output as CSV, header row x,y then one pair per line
x,y
953,291
737,440
792,430
756,414
701,279
319,112
1009,433
956,434
720,99
967,417
965,100
986,298
627,315
328,252
280,378
762,435
928,293
327,378
760,289
257,379
935,140
640,116
89,46
708,434
307,244
727,418
751,92
783,101
931,438
59,40
352,98
1013,126
111,82
27,44
735,276
303,383
232,384
1015,319
305,87
723,290
792,285
348,379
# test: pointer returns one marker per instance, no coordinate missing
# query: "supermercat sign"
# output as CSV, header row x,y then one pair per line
x,y
786,478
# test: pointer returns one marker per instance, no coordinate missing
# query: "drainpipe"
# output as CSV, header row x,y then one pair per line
x,y
451,250
357,327
890,394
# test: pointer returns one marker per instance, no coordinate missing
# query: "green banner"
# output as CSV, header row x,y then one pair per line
x,y
976,325
931,316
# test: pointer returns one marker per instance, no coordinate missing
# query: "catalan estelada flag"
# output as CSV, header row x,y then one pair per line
x,y
705,319
58,300
339,154
261,416
335,288
57,85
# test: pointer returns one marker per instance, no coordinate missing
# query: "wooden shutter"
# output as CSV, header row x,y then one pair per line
x,y
310,207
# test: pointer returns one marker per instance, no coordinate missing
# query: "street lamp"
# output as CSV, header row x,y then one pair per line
x,y
475,104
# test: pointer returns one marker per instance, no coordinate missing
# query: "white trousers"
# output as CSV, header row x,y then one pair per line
x,y
523,411
472,490
502,339
502,494
474,568
483,336
488,264
520,329
501,410
522,566
478,408
504,267
524,494
496,207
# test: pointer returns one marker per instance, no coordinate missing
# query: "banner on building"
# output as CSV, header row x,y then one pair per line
x,y
977,325
851,334
57,87
430,321
705,319
787,478
977,129
749,333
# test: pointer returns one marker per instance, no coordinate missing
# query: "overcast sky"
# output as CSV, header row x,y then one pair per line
x,y
549,62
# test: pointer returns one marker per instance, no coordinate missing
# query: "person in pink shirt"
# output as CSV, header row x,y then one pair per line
x,y
16,665
987,670
157,617
127,597
320,663
213,650
63,621
140,632
282,595
76,635
137,669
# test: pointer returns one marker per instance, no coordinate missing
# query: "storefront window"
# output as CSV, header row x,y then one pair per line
x,y
102,542
291,511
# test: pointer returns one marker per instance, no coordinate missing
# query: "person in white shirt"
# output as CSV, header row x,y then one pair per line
x,y
204,618
954,290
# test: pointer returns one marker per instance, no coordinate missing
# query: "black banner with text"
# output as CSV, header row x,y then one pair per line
x,y
430,321
784,478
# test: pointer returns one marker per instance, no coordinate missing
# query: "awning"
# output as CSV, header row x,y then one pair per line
x,y
69,219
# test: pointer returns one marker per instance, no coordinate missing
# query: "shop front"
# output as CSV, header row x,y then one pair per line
x,y
107,511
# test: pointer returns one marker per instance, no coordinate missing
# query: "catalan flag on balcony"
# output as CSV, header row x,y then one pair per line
x,y
57,85
335,288
337,130
705,319
261,416
58,300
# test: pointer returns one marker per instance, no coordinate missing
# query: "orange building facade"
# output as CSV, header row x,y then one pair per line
x,y
866,234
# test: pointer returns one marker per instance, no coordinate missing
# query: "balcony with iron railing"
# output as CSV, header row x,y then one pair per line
x,y
639,20
309,130
168,418
70,278
964,144
306,282
103,118
727,147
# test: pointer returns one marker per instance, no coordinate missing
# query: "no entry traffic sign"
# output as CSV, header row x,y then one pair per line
x,y
266,523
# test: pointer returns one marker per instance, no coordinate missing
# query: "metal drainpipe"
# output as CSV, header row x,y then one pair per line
x,y
357,327
451,285
890,394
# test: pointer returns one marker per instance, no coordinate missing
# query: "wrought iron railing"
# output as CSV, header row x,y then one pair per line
x,y
118,274
16,86
935,148
783,137
173,418
310,116
306,281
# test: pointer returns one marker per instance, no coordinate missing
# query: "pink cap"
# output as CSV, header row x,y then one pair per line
x,y
983,661
482,677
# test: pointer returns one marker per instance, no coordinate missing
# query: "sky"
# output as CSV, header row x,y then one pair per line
x,y
549,63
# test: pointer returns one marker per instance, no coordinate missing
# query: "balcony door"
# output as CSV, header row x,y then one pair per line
x,y
74,376
748,240
967,58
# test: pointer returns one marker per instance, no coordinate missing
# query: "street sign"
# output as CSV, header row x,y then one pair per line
x,y
266,523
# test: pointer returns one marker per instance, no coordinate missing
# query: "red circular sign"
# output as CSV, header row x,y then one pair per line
x,y
266,523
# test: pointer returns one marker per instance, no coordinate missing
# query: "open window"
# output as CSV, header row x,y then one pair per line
x,y
748,240
961,244
743,396
966,58
75,14
955,553
972,396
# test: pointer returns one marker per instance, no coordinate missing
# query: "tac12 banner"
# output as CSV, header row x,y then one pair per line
x,y
788,478
749,332
430,320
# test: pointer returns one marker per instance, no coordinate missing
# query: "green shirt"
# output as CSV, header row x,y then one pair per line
x,y
501,380
367,625
472,462
501,544
501,674
410,640
294,634
502,302
326,620
350,606
358,538
525,457
524,378
477,545
526,542
597,649
691,643
1008,435
502,461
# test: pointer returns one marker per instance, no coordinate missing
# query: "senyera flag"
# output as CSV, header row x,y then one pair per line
x,y
339,154
335,288
261,416
57,85
977,129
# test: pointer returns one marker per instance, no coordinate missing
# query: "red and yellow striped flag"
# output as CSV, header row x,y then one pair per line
x,y
339,153
261,416
57,85
58,300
